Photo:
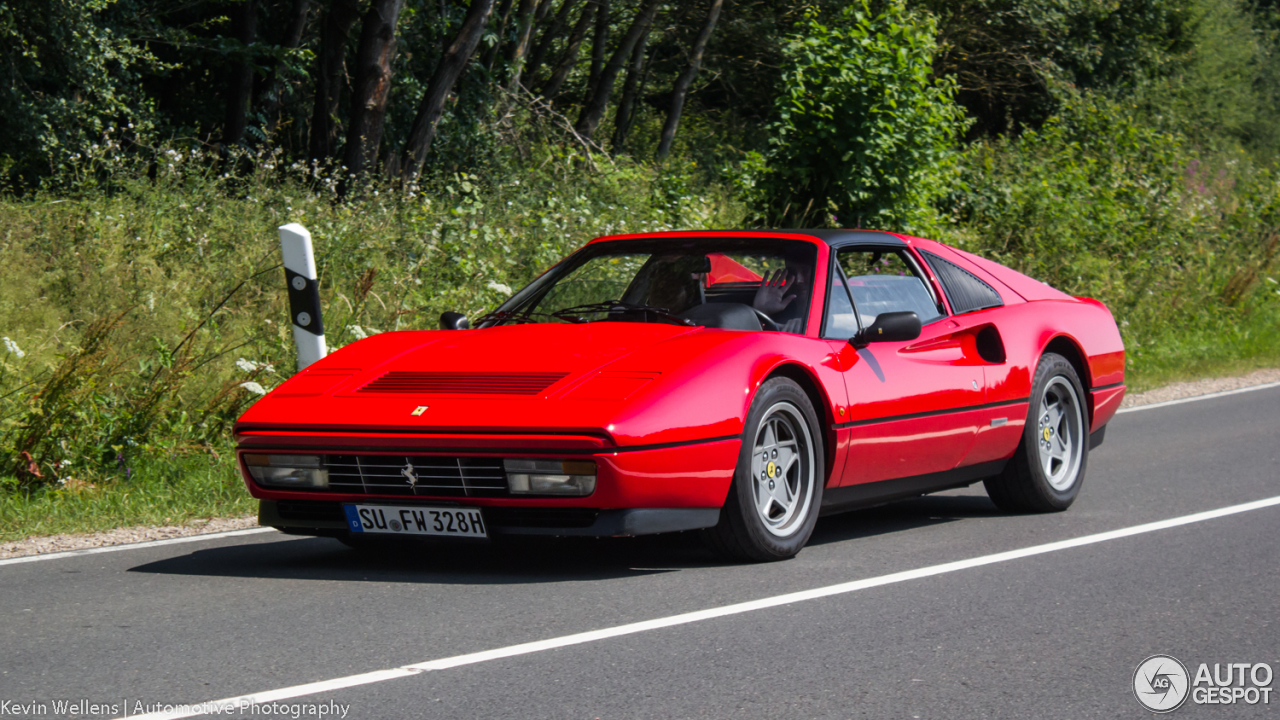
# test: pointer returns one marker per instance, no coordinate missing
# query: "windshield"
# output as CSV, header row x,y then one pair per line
x,y
717,282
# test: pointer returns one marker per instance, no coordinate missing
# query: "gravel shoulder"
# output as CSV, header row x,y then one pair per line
x,y
124,536
1178,391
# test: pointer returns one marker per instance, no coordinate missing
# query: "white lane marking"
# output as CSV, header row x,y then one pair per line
x,y
1210,396
268,696
133,546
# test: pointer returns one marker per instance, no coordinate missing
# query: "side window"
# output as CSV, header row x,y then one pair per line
x,y
885,280
966,291
841,323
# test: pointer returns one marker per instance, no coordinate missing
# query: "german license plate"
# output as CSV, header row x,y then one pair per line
x,y
415,520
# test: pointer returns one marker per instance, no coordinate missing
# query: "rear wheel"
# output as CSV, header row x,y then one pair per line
x,y
1048,468
773,503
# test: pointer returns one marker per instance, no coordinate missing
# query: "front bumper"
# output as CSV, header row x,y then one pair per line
x,y
639,491
326,518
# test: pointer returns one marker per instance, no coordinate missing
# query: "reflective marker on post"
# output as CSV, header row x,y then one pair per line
x,y
304,293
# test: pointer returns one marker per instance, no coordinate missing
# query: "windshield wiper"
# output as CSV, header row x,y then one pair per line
x,y
515,317
574,314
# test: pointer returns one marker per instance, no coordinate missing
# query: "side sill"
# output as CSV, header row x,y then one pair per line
x,y
864,495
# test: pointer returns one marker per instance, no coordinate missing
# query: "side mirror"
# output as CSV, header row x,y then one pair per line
x,y
889,327
457,321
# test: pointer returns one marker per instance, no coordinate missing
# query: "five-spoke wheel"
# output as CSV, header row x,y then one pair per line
x,y
782,469
777,488
1045,473
1059,433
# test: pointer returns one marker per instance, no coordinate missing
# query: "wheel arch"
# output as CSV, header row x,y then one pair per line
x,y
1070,349
803,377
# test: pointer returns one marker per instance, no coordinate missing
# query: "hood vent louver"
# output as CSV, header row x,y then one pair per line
x,y
405,382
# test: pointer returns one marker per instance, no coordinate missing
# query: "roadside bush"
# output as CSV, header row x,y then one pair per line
x,y
865,134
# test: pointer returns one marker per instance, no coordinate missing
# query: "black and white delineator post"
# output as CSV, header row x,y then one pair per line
x,y
304,293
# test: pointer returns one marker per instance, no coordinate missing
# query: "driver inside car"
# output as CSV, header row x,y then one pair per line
x,y
782,294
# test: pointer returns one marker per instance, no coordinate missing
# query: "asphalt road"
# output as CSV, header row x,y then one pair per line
x,y
1058,634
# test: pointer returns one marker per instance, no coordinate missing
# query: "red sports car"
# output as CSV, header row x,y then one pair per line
x,y
737,382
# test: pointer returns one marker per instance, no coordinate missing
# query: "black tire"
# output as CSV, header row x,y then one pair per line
x,y
746,530
1026,485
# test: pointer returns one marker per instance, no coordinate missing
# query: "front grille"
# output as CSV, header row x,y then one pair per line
x,y
461,383
416,475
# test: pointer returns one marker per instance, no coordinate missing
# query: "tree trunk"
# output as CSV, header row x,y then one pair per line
x,y
598,41
446,75
630,90
593,111
569,57
240,80
548,37
518,52
681,89
330,72
275,85
372,84
491,55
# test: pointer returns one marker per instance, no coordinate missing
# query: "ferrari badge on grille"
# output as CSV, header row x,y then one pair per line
x,y
418,410
409,475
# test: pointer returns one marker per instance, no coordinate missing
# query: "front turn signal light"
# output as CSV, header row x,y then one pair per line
x,y
573,478
287,471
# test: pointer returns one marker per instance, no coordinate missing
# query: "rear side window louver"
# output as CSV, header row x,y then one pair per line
x,y
966,291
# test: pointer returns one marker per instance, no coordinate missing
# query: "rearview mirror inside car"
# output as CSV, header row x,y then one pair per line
x,y
454,321
889,327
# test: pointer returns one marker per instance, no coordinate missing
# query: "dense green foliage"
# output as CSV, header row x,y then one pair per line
x,y
1121,150
863,133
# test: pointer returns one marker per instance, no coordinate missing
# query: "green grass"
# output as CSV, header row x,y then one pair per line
x,y
1195,351
160,492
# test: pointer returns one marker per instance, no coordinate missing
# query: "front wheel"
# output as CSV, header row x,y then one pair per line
x,y
1047,470
773,503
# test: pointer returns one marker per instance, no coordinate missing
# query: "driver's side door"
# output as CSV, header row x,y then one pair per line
x,y
906,398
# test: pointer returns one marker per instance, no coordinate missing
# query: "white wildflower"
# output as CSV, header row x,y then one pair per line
x,y
499,287
64,463
358,332
252,366
254,388
12,347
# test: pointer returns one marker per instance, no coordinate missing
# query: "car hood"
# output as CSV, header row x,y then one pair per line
x,y
509,379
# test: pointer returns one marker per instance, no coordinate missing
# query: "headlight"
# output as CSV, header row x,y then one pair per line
x,y
551,477
296,471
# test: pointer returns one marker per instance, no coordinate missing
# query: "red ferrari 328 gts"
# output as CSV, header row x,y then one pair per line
x,y
741,382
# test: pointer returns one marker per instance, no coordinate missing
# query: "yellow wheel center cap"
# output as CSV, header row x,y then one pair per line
x,y
1048,433
771,469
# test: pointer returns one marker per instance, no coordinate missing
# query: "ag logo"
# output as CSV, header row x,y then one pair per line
x,y
1161,683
